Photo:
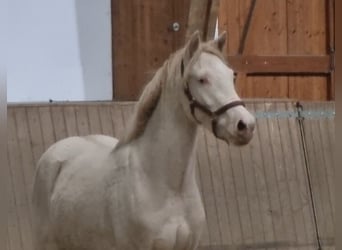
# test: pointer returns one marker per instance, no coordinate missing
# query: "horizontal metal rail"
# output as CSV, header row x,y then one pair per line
x,y
313,114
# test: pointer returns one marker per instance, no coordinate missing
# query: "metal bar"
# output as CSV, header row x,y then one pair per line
x,y
212,15
198,17
330,6
206,19
300,119
246,28
331,27
308,114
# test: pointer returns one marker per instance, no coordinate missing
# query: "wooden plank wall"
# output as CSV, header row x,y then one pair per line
x,y
31,130
320,137
255,197
279,27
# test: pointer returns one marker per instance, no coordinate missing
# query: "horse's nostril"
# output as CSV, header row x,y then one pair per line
x,y
241,125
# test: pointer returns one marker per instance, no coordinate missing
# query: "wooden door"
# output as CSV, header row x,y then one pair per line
x,y
143,37
288,49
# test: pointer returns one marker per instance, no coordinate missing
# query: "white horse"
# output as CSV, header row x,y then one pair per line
x,y
95,193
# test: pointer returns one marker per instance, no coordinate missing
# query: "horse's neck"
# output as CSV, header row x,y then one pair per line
x,y
166,148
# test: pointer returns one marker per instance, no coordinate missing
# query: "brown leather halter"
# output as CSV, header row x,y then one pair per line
x,y
212,114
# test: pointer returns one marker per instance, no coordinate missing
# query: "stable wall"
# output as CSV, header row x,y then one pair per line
x,y
275,193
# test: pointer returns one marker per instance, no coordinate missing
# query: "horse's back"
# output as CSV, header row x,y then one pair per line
x,y
67,150
65,158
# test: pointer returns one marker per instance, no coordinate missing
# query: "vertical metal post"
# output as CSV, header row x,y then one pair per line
x,y
300,120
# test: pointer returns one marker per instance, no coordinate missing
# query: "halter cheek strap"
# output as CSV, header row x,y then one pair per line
x,y
212,114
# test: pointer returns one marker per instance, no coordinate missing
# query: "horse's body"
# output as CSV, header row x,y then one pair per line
x,y
99,200
95,193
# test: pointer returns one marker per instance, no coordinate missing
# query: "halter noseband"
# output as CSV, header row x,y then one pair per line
x,y
212,114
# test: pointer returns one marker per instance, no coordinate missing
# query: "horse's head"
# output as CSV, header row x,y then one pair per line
x,y
209,92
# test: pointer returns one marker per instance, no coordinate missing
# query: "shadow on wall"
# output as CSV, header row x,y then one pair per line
x,y
93,20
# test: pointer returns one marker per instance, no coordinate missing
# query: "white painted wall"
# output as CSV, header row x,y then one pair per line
x,y
59,50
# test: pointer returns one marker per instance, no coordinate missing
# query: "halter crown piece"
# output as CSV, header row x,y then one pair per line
x,y
212,114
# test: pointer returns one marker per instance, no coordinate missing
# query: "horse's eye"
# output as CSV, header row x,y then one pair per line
x,y
203,80
235,76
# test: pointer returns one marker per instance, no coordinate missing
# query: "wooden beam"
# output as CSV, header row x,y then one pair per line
x,y
280,64
202,17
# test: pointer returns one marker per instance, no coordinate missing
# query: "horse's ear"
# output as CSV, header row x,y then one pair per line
x,y
192,45
221,41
